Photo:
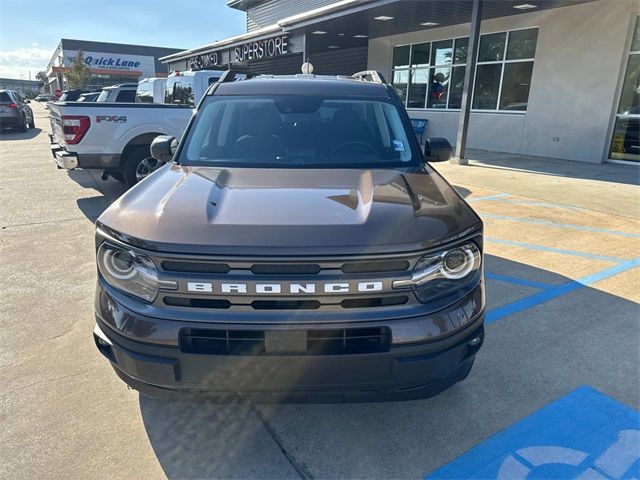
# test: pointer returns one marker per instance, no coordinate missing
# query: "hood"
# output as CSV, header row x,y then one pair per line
x,y
289,211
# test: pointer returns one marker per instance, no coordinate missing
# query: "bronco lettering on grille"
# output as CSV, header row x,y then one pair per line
x,y
276,288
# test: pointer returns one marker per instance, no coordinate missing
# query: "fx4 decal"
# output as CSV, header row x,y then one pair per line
x,y
111,118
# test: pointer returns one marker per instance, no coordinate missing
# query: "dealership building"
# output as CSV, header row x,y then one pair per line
x,y
550,78
110,63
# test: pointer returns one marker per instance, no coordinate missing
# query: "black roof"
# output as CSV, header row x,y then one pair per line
x,y
302,85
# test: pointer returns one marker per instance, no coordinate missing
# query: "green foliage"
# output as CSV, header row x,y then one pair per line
x,y
78,74
28,93
42,76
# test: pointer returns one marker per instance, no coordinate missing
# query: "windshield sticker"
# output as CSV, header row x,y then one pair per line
x,y
398,145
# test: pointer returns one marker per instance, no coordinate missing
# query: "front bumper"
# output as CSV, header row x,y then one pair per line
x,y
406,370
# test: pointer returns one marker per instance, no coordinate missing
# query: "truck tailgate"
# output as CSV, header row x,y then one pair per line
x,y
55,118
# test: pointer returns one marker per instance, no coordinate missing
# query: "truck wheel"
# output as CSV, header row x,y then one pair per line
x,y
138,165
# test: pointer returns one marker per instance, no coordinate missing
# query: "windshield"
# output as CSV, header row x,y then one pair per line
x,y
179,91
298,131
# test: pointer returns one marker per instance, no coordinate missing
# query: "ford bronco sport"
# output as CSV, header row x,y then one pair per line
x,y
296,245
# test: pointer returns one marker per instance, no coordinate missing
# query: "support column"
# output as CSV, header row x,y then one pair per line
x,y
469,80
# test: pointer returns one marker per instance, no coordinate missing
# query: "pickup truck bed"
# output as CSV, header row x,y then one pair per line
x,y
114,137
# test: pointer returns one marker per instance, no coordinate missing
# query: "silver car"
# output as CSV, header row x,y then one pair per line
x,y
14,111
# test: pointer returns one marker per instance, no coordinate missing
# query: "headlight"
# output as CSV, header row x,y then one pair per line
x,y
129,271
439,273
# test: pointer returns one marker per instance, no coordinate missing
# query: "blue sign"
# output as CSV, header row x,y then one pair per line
x,y
585,435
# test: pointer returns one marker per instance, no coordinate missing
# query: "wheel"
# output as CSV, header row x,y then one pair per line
x,y
23,128
32,123
138,165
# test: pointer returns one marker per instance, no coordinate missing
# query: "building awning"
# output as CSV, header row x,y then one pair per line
x,y
100,71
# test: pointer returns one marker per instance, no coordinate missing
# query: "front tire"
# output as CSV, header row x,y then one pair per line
x,y
32,123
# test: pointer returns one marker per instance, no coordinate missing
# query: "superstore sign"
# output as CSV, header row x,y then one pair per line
x,y
267,48
271,47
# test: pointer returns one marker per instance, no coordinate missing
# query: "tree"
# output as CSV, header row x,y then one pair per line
x,y
42,76
78,73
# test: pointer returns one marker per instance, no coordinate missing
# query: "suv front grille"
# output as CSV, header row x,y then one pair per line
x,y
337,341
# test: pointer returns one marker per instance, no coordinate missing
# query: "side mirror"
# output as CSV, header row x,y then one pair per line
x,y
163,147
437,150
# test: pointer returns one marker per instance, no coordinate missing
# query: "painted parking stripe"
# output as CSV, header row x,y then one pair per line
x,y
542,248
584,435
555,292
529,203
517,281
487,197
549,223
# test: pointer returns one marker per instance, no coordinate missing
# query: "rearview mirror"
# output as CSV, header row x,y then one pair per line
x,y
437,150
163,147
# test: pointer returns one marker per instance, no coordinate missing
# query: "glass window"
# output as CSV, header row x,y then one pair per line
x,y
635,44
401,56
456,83
439,87
522,44
179,91
400,82
126,96
630,97
420,55
462,46
295,131
431,75
487,86
442,53
515,86
418,88
625,144
492,47
144,93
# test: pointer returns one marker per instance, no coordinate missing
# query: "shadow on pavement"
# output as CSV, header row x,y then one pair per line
x,y
6,134
607,172
92,207
529,359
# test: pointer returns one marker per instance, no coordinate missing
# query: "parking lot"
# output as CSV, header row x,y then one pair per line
x,y
555,389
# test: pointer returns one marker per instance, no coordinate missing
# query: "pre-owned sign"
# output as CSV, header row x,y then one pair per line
x,y
271,47
203,61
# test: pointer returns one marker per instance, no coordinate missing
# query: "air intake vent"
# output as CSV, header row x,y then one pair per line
x,y
374,267
195,267
196,302
348,341
285,269
374,302
339,341
285,304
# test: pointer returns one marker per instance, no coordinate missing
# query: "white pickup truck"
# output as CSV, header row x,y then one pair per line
x,y
115,137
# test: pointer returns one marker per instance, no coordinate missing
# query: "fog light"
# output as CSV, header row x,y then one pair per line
x,y
475,342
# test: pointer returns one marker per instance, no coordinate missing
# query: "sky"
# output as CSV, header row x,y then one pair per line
x,y
30,30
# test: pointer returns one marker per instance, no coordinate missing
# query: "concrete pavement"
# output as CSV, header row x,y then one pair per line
x,y
562,294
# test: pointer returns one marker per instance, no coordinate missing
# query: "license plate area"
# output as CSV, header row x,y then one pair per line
x,y
285,341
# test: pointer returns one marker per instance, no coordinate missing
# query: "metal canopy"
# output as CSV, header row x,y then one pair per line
x,y
342,26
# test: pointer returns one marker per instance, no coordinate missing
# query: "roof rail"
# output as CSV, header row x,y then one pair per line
x,y
369,76
233,75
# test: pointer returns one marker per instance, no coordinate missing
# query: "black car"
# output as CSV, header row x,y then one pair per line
x,y
14,111
71,95
298,245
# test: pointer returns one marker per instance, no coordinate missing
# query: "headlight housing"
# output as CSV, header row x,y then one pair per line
x,y
437,274
129,271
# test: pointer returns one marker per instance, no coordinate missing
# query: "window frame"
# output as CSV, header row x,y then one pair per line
x,y
453,65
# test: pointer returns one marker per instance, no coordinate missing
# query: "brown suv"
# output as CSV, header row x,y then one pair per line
x,y
297,245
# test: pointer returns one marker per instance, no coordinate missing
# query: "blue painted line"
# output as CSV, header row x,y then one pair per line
x,y
486,197
518,281
549,223
592,256
538,204
584,434
555,292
